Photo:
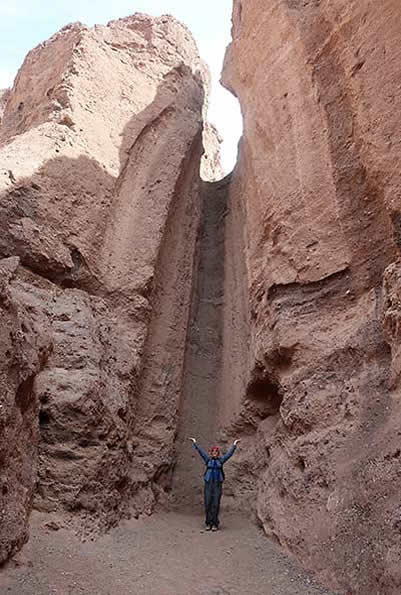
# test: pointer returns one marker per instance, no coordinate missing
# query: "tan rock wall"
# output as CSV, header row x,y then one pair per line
x,y
318,182
100,152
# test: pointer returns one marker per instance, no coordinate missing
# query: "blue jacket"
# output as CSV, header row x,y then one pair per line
x,y
214,467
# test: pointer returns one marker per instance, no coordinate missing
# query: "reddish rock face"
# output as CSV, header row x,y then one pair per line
x,y
100,149
25,346
295,327
315,194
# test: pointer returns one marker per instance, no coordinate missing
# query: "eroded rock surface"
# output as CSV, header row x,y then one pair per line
x,y
25,346
201,385
4,94
117,314
316,204
100,149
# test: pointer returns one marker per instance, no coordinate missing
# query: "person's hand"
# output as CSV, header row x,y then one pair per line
x,y
236,441
192,440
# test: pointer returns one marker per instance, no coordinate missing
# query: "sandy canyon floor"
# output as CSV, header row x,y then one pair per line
x,y
166,554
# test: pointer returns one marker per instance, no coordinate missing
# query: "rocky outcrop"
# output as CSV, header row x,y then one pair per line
x,y
4,94
100,149
315,196
25,346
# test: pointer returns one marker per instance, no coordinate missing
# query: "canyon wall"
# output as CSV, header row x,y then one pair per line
x,y
100,152
140,305
313,381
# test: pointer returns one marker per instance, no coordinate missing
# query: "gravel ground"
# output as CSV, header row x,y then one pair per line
x,y
166,554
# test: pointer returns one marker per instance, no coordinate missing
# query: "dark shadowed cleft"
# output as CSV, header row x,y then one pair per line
x,y
264,389
23,397
300,464
44,418
281,358
70,279
308,295
122,484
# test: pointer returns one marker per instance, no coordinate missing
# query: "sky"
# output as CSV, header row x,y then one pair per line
x,y
25,23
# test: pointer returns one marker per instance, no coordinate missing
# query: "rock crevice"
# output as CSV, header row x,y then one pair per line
x,y
199,407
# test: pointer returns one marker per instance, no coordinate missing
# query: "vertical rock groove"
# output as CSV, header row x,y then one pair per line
x,y
159,387
203,357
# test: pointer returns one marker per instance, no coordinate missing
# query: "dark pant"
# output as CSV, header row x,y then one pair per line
x,y
213,491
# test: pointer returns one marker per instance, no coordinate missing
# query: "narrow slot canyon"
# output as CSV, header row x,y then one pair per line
x,y
200,406
143,303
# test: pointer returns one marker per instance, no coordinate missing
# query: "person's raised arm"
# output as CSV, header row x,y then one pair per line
x,y
230,452
199,449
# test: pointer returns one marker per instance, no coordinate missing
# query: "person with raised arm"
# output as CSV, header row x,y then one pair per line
x,y
214,477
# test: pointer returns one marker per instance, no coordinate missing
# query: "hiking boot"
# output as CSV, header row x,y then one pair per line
x,y
208,527
215,528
